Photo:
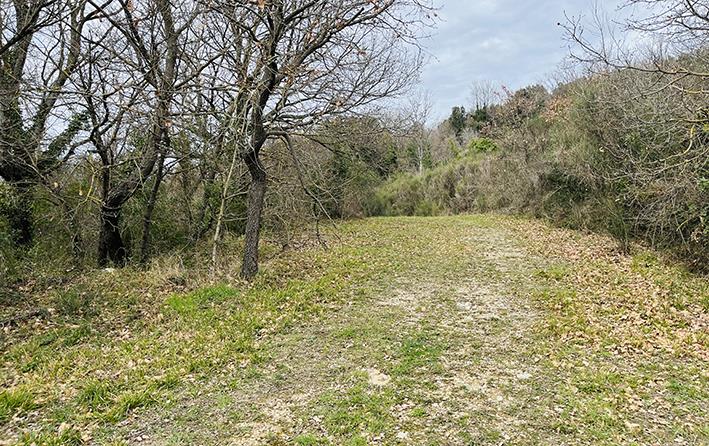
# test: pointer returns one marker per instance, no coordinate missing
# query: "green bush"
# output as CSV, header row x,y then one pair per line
x,y
590,156
482,145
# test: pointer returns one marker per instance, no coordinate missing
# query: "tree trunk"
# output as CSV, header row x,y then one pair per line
x,y
21,219
254,210
200,226
111,247
149,210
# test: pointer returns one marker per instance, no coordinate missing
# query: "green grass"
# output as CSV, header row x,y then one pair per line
x,y
200,301
74,303
96,395
128,401
309,440
615,339
197,334
618,332
68,437
13,401
359,409
419,354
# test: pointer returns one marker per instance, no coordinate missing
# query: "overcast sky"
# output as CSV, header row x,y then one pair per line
x,y
509,42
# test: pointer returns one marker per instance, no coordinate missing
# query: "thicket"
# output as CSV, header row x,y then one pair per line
x,y
331,174
603,152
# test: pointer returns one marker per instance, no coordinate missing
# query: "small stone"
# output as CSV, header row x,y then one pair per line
x,y
524,376
377,378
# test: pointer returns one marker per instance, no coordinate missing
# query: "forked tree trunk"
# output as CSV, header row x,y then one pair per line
x,y
254,212
111,247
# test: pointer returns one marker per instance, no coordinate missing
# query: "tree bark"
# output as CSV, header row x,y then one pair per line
x,y
254,212
200,226
21,219
111,247
149,210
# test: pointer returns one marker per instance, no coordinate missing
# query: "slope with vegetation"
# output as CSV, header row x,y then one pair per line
x,y
599,153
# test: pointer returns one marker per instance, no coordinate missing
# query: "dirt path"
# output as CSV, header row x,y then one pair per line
x,y
474,330
439,357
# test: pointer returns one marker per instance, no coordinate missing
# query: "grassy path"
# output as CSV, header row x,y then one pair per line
x,y
478,330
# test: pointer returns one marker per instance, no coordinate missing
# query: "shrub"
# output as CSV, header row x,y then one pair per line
x,y
482,145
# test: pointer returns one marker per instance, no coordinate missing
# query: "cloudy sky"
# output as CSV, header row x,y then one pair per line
x,y
509,42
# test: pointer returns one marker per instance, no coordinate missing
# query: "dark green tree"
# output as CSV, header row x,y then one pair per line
x,y
457,121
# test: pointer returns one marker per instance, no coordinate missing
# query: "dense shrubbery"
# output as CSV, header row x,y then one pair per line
x,y
594,154
482,145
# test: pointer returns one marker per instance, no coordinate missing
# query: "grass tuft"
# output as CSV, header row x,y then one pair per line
x,y
68,437
96,395
15,400
129,401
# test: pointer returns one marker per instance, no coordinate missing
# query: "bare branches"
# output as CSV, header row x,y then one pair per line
x,y
110,84
292,64
655,42
650,89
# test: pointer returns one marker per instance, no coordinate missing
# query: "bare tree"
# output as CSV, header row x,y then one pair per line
x,y
418,135
483,94
40,49
135,75
295,62
655,40
229,76
25,18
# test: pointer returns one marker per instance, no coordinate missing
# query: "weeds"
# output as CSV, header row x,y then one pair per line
x,y
13,401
